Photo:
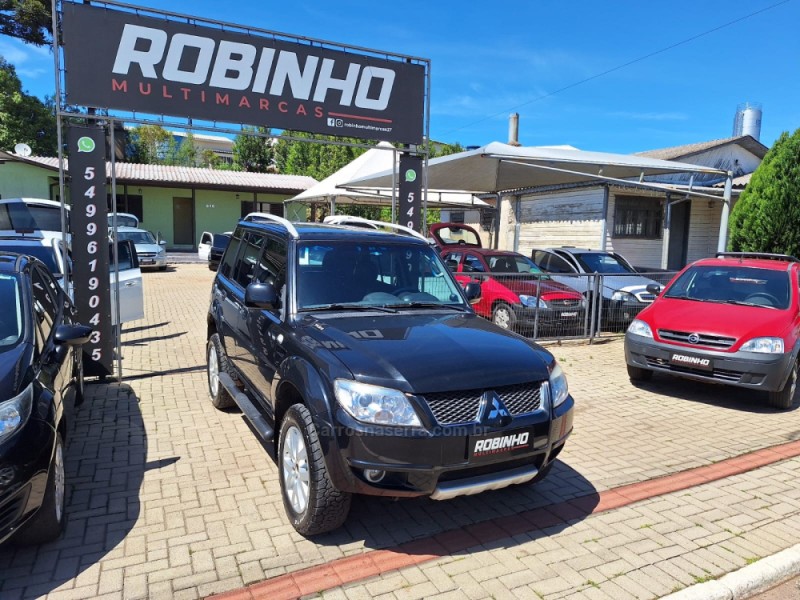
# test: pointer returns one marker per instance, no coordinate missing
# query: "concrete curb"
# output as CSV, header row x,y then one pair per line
x,y
747,581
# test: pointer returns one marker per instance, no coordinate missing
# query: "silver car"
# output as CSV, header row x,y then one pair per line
x,y
152,253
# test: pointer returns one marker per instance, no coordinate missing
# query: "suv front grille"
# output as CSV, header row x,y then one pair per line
x,y
451,408
710,341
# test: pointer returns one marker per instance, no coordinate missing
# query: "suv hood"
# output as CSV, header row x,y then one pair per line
x,y
427,351
729,320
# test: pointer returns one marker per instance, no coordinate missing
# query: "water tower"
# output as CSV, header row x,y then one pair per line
x,y
747,120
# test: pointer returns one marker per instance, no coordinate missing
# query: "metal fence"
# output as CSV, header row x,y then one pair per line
x,y
564,306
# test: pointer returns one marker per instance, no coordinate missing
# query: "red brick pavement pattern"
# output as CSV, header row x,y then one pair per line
x,y
378,562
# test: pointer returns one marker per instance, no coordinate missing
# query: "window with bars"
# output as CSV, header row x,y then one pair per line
x,y
638,217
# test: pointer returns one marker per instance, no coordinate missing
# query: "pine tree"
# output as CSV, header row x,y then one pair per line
x,y
766,217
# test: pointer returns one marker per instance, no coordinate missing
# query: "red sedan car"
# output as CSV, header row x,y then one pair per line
x,y
515,293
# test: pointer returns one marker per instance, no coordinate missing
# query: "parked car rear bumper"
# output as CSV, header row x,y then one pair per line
x,y
753,370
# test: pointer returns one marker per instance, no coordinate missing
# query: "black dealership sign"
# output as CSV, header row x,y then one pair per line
x,y
89,228
410,191
125,61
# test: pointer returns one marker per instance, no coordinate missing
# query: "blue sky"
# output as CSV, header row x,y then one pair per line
x,y
489,60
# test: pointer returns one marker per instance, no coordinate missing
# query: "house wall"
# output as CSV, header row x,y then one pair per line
x,y
640,252
566,218
730,157
215,211
20,180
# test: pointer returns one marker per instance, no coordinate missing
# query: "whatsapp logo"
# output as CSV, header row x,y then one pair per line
x,y
411,175
85,144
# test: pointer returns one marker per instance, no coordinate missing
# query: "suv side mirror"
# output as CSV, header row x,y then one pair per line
x,y
473,292
261,295
654,288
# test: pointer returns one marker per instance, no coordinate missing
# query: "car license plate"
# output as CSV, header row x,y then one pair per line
x,y
506,444
569,314
691,362
147,261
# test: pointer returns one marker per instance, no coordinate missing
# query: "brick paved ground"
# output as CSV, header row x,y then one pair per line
x,y
169,498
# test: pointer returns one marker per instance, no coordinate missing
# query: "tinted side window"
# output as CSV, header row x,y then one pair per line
x,y
556,264
226,267
246,265
45,299
272,266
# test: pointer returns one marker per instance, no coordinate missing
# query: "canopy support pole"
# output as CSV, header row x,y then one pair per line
x,y
726,209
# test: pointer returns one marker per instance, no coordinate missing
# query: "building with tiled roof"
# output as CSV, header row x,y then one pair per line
x,y
178,202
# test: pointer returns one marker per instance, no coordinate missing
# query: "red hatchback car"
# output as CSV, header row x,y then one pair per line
x,y
510,299
733,319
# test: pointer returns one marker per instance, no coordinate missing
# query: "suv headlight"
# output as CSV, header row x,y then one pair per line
x,y
374,404
620,296
558,385
532,301
15,412
764,345
638,327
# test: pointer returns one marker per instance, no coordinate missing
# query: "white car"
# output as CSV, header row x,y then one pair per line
x,y
206,242
25,216
123,220
152,254
50,250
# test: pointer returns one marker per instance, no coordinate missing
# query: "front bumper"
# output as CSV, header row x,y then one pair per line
x,y
753,370
622,312
440,462
152,262
24,463
549,317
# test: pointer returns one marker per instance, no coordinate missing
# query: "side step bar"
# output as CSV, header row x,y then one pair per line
x,y
249,410
475,485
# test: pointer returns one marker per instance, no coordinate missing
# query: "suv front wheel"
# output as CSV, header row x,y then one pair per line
x,y
314,506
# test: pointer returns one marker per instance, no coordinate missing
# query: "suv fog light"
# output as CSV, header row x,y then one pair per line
x,y
374,475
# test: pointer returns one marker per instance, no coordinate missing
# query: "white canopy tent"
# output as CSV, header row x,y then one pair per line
x,y
381,158
498,167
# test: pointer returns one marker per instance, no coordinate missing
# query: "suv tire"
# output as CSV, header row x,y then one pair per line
x,y
503,316
783,399
217,362
313,505
639,374
48,522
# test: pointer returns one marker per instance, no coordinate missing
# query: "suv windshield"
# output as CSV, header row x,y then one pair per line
x,y
11,319
333,273
734,284
597,262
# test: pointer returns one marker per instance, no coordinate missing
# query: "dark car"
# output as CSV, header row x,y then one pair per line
x,y
515,293
219,242
733,319
41,378
362,352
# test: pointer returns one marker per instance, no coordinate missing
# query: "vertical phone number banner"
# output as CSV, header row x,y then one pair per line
x,y
410,192
89,228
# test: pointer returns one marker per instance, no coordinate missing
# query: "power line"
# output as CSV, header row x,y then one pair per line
x,y
624,65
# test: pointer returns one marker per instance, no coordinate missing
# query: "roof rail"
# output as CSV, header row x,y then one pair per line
x,y
763,255
353,220
259,217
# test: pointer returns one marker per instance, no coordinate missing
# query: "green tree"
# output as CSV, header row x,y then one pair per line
x,y
183,153
295,157
24,118
253,152
766,217
28,20
149,144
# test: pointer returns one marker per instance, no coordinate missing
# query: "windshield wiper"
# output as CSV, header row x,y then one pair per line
x,y
348,306
743,303
427,305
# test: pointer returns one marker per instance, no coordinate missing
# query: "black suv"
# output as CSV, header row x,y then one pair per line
x,y
361,351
